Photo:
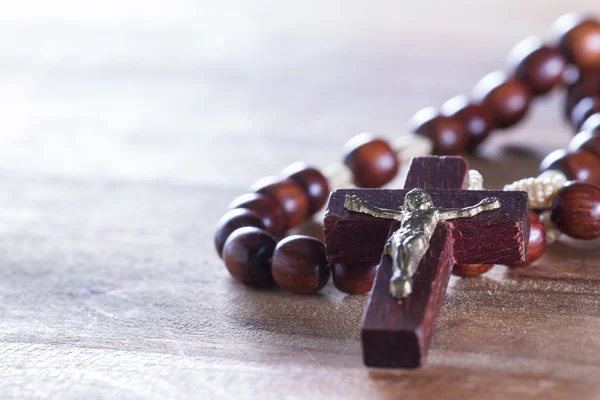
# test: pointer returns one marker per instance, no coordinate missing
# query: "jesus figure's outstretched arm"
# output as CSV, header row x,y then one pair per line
x,y
487,204
360,205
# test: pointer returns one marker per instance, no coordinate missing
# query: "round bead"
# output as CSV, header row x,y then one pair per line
x,y
583,110
576,210
508,98
537,239
588,141
247,254
354,278
312,181
592,124
579,38
289,195
477,117
233,220
587,84
539,66
577,166
471,270
300,265
267,209
372,161
448,134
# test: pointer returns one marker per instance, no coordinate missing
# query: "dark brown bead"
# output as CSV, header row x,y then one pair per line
x,y
448,134
579,38
471,270
372,161
588,141
537,239
577,166
268,210
592,124
583,110
576,210
354,278
247,254
312,181
477,117
300,265
541,67
587,84
233,220
508,98
289,195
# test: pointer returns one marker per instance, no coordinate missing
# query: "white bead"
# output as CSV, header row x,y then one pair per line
x,y
552,232
409,146
541,190
475,180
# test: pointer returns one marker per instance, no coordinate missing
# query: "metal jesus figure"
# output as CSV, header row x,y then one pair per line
x,y
418,219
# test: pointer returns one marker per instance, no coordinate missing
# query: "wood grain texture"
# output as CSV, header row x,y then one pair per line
x,y
486,238
126,131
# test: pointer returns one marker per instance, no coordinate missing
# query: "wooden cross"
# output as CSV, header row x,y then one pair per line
x,y
397,332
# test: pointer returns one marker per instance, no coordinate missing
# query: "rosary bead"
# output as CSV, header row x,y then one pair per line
x,y
577,166
300,265
538,65
508,98
354,278
477,117
247,255
586,85
579,38
233,220
583,110
448,134
312,181
587,141
537,239
592,124
289,195
576,210
471,270
268,209
372,161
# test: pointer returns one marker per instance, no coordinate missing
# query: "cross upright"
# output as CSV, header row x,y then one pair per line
x,y
397,328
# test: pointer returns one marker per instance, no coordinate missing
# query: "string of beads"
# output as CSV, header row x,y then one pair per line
x,y
564,201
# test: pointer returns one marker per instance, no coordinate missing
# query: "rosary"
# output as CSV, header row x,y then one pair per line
x,y
402,245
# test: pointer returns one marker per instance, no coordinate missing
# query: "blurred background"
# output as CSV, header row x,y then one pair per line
x,y
163,91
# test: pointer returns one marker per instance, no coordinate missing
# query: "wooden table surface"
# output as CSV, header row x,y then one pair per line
x,y
127,127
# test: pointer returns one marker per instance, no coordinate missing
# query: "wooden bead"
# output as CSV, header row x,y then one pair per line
x,y
508,98
233,220
537,239
576,210
312,181
471,270
300,265
268,210
587,141
448,134
354,278
247,254
587,84
477,117
583,110
579,39
541,67
592,124
577,166
289,195
372,161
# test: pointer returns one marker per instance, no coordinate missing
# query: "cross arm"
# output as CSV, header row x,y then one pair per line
x,y
495,237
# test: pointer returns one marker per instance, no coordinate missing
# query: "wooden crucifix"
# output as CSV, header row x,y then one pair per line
x,y
469,227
